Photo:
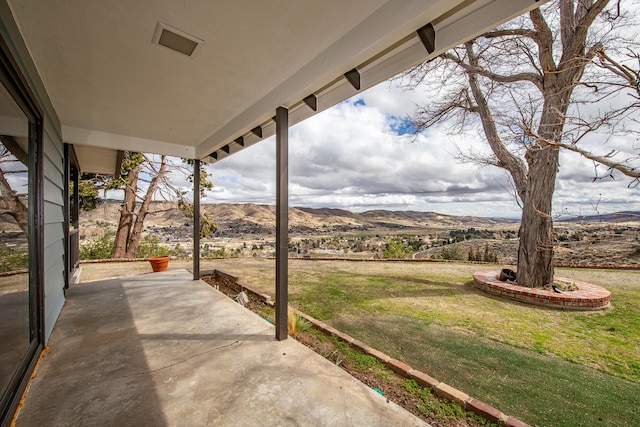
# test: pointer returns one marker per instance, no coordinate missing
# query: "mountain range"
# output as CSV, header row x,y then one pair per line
x,y
234,219
260,219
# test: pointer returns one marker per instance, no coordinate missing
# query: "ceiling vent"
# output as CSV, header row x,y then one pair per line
x,y
176,40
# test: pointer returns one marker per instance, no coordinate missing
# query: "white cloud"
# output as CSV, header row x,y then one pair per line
x,y
351,157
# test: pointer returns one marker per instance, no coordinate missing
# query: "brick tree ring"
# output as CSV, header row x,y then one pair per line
x,y
586,297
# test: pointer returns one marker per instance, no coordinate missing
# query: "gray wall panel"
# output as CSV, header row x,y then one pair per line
x,y
53,238
53,232
52,213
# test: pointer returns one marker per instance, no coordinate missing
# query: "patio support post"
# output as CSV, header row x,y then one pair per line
x,y
196,219
67,214
71,213
75,212
282,221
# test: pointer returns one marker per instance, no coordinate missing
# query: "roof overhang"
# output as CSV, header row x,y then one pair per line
x,y
99,160
113,88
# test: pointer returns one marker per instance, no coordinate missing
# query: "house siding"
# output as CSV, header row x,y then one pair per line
x,y
53,167
53,231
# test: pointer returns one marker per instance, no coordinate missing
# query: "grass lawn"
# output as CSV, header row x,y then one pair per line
x,y
546,367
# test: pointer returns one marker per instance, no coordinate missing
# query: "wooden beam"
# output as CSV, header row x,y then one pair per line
x,y
427,35
226,148
354,78
257,131
282,222
240,141
312,102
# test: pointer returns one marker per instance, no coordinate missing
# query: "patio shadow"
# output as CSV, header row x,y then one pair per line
x,y
96,369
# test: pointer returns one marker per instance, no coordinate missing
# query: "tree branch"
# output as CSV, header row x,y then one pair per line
x,y
606,160
506,159
517,32
544,39
476,69
631,76
575,47
567,22
424,118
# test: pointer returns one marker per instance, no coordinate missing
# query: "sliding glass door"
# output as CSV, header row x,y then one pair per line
x,y
20,303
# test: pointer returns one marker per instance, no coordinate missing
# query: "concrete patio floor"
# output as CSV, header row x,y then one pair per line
x,y
161,349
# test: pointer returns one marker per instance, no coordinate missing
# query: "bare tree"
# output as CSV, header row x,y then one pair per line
x,y
10,200
540,83
136,231
137,202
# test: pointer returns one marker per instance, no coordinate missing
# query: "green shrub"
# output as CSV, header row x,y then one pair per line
x,y
99,247
396,249
297,324
222,253
453,252
149,247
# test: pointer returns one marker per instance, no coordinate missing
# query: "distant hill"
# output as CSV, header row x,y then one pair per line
x,y
239,219
250,218
624,216
328,212
255,219
394,219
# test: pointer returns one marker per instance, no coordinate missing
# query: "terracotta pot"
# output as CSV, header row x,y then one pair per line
x,y
159,262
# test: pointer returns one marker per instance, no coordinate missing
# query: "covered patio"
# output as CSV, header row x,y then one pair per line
x,y
88,81
163,349
216,78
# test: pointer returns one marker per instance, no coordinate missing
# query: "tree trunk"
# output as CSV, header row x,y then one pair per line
x,y
127,211
535,251
136,232
14,206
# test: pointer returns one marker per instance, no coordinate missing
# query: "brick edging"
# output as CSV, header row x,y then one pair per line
x,y
456,261
441,389
587,296
418,260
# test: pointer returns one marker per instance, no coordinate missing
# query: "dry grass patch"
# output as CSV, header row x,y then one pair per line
x,y
441,293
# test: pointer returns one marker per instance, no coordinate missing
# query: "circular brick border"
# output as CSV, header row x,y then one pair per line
x,y
587,297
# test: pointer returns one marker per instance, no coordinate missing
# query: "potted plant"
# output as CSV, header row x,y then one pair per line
x,y
159,262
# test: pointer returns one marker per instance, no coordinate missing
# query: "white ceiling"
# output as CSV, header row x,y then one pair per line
x,y
112,88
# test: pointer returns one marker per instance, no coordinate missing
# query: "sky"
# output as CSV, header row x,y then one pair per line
x,y
357,156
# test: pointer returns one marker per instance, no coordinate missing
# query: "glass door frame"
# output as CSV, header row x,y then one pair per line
x,y
15,83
